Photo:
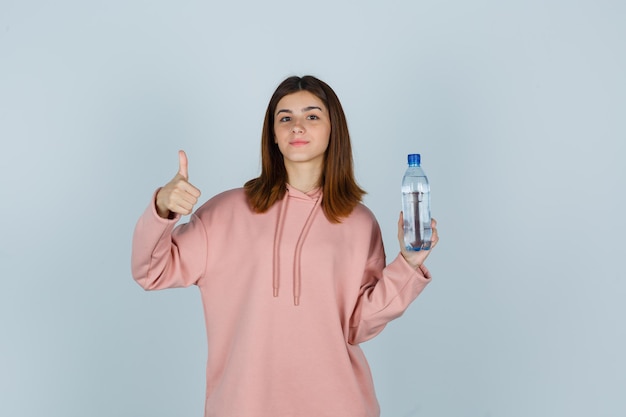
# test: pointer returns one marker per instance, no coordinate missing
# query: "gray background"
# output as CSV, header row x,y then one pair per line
x,y
516,107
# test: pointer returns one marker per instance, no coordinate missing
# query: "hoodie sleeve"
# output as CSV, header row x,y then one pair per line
x,y
165,256
385,295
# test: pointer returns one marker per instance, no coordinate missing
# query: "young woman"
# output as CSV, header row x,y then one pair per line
x,y
291,268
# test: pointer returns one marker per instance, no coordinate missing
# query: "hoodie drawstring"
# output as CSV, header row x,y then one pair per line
x,y
277,234
297,273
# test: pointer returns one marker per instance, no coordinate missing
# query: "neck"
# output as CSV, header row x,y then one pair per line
x,y
303,177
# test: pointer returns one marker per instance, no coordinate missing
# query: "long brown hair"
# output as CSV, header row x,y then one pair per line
x,y
341,193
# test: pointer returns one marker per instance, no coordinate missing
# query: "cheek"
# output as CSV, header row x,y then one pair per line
x,y
277,134
280,131
327,136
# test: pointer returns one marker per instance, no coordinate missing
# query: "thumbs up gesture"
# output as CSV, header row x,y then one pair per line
x,y
177,196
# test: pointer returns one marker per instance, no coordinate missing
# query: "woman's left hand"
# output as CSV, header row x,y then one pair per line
x,y
416,258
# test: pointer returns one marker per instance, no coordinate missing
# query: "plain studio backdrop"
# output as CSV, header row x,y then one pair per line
x,y
517,108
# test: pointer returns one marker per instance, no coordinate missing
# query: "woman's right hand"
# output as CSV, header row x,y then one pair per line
x,y
177,196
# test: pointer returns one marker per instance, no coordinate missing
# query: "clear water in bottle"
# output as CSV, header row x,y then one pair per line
x,y
416,206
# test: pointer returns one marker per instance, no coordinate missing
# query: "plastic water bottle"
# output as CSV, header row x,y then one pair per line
x,y
416,206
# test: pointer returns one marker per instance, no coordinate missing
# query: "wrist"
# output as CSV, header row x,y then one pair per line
x,y
163,212
415,265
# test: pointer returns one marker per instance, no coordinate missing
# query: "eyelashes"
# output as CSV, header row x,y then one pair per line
x,y
288,118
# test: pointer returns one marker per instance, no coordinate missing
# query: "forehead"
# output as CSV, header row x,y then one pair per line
x,y
300,100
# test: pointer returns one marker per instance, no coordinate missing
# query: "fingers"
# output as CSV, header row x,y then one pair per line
x,y
178,196
435,236
183,169
183,196
416,258
181,201
185,186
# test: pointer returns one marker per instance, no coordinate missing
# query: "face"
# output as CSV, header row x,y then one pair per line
x,y
302,129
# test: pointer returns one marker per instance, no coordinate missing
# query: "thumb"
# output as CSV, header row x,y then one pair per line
x,y
182,164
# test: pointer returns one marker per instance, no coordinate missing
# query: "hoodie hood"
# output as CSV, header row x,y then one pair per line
x,y
292,193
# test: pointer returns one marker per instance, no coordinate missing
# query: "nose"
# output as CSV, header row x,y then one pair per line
x,y
297,128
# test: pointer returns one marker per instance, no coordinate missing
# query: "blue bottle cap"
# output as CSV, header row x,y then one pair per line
x,y
414,159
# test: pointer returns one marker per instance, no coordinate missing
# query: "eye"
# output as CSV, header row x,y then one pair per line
x,y
313,117
284,119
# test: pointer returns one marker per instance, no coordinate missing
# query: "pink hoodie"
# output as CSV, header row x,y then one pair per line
x,y
287,298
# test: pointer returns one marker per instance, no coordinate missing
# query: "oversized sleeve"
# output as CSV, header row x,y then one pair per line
x,y
385,294
165,255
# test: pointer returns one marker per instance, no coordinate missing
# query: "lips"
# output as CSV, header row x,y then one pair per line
x,y
298,142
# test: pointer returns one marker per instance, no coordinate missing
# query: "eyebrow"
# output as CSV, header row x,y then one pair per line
x,y
306,109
